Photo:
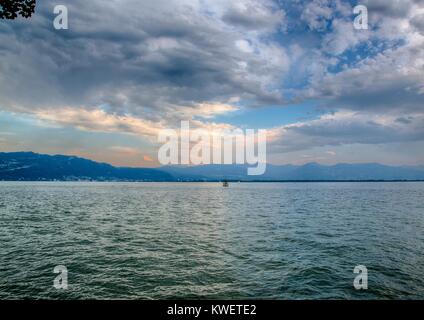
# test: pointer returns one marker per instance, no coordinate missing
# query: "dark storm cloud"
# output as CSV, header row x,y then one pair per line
x,y
142,58
418,22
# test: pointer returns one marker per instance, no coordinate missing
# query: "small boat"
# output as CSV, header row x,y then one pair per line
x,y
225,184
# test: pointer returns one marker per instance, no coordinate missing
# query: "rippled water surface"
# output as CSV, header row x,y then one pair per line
x,y
193,240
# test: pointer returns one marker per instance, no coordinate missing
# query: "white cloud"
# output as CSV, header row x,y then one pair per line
x,y
344,128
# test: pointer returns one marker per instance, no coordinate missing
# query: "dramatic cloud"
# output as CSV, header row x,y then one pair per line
x,y
418,22
99,121
135,67
391,81
366,75
143,58
254,15
347,127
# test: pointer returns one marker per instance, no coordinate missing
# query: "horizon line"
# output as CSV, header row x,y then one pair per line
x,y
212,164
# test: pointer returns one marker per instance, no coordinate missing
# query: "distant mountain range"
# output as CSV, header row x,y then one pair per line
x,y
307,172
29,166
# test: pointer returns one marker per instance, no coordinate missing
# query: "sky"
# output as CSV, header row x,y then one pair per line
x,y
124,70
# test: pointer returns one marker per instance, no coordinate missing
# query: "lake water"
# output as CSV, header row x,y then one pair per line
x,y
200,240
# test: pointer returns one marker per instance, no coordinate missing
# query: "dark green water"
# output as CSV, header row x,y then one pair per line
x,y
257,240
